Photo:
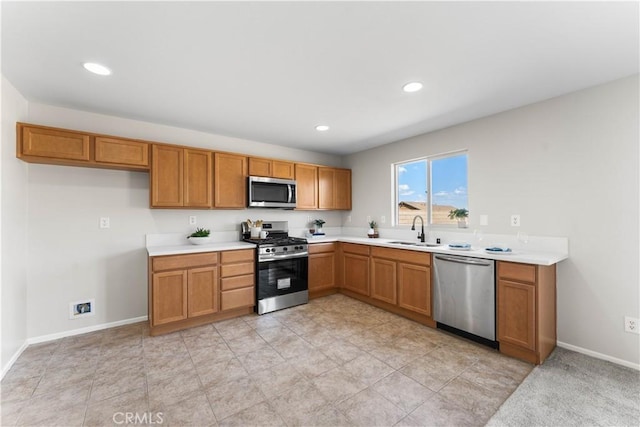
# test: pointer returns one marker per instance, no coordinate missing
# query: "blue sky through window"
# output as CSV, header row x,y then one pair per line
x,y
449,181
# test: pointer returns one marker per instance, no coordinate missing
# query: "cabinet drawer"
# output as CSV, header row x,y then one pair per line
x,y
174,262
353,248
229,283
229,270
515,271
317,248
237,256
237,298
122,151
415,257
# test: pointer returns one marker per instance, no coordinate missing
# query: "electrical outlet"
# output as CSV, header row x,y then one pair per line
x,y
383,219
515,220
82,308
349,218
193,220
104,222
631,324
484,219
368,218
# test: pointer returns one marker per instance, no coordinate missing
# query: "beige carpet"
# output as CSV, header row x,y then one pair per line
x,y
571,389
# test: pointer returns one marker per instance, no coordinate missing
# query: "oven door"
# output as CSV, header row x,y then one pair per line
x,y
282,277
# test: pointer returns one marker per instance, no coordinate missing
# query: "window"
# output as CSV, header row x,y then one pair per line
x,y
431,187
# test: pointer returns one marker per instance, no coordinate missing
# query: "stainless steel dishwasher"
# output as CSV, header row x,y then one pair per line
x,y
465,297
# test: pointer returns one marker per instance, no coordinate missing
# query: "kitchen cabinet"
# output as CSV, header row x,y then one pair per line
x,y
230,178
180,177
402,277
41,144
526,310
306,186
237,279
182,287
118,151
271,168
334,188
322,269
355,268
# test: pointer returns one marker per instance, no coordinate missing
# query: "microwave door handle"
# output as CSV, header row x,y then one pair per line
x,y
290,193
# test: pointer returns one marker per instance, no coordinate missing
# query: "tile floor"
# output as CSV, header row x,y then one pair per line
x,y
333,362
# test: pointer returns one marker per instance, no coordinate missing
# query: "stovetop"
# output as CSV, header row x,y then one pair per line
x,y
277,241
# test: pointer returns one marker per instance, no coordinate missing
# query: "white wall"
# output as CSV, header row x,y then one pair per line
x,y
13,227
569,167
70,258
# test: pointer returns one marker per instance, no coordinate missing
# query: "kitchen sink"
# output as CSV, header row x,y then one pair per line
x,y
427,244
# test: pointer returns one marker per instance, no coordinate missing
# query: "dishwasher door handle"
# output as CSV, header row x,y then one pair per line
x,y
464,260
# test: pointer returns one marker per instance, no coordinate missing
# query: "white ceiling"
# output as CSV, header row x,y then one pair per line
x,y
270,71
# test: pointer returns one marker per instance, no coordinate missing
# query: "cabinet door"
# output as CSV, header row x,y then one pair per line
x,y
322,271
414,287
342,189
198,181
326,193
383,280
284,170
259,167
307,186
167,176
202,291
54,144
230,181
122,152
516,314
356,273
169,299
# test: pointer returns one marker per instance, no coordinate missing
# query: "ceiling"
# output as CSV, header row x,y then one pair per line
x,y
272,71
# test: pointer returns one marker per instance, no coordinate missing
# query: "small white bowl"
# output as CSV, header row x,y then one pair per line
x,y
199,240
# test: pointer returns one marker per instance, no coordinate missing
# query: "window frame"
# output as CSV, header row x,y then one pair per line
x,y
395,213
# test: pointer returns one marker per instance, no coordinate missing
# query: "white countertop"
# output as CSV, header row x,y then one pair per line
x,y
525,257
194,249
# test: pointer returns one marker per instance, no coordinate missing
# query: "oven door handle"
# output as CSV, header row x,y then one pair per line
x,y
281,257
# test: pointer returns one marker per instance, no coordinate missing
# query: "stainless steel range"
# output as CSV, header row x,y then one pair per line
x,y
281,267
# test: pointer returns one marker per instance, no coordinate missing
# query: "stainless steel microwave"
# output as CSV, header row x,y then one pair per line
x,y
271,193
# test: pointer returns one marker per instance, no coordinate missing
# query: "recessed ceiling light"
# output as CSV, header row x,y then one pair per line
x,y
97,68
412,87
322,128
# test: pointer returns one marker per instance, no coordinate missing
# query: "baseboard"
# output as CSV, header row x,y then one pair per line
x,y
601,356
51,337
13,359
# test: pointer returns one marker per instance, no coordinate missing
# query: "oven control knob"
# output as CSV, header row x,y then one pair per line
x,y
285,249
267,250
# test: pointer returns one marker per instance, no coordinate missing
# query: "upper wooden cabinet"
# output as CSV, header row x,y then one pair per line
x,y
41,144
334,188
180,177
230,180
271,168
121,151
306,186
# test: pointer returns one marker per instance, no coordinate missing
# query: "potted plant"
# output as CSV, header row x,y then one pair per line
x,y
200,236
373,229
460,215
319,223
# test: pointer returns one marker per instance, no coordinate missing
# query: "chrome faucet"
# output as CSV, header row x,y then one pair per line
x,y
413,227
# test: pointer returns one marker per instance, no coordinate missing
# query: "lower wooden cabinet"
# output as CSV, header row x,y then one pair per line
x,y
188,290
355,268
526,310
322,268
237,272
402,277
